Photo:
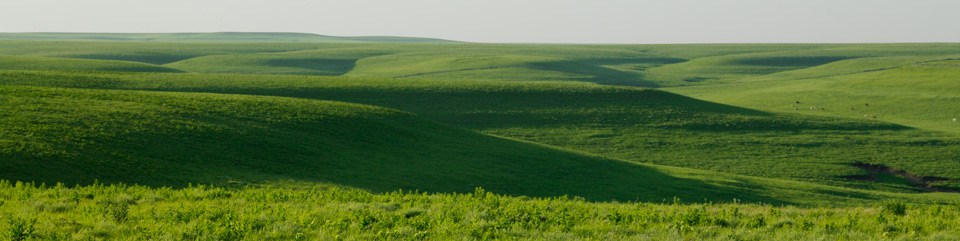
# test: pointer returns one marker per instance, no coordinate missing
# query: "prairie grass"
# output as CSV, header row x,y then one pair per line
x,y
289,211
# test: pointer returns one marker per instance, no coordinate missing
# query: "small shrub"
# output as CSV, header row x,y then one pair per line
x,y
118,211
413,213
898,208
20,229
694,217
756,222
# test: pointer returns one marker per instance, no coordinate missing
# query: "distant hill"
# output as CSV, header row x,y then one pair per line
x,y
215,37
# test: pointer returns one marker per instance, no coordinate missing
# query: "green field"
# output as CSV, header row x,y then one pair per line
x,y
809,139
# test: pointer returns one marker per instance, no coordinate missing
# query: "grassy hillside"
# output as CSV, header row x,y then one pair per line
x,y
78,136
82,136
316,137
211,37
558,95
632,124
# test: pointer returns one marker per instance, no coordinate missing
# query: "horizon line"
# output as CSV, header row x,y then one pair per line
x,y
453,40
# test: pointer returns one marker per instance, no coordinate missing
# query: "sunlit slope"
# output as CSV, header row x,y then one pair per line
x,y
210,37
914,91
626,123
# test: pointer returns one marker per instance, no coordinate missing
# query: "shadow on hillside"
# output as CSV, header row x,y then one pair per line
x,y
532,171
329,67
249,140
416,159
601,71
598,74
508,108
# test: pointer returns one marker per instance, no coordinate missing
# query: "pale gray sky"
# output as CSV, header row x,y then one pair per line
x,y
555,21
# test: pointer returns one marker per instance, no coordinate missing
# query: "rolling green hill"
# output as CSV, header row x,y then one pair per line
x,y
79,136
261,136
573,99
639,125
82,136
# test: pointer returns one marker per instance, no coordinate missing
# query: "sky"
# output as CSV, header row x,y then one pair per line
x,y
511,21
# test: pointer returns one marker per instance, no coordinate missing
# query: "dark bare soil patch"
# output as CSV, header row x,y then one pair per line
x,y
924,183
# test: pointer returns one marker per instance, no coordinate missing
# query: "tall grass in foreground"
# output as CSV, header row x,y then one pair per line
x,y
312,212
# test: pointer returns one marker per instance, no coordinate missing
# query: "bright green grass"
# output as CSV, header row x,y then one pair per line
x,y
297,211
